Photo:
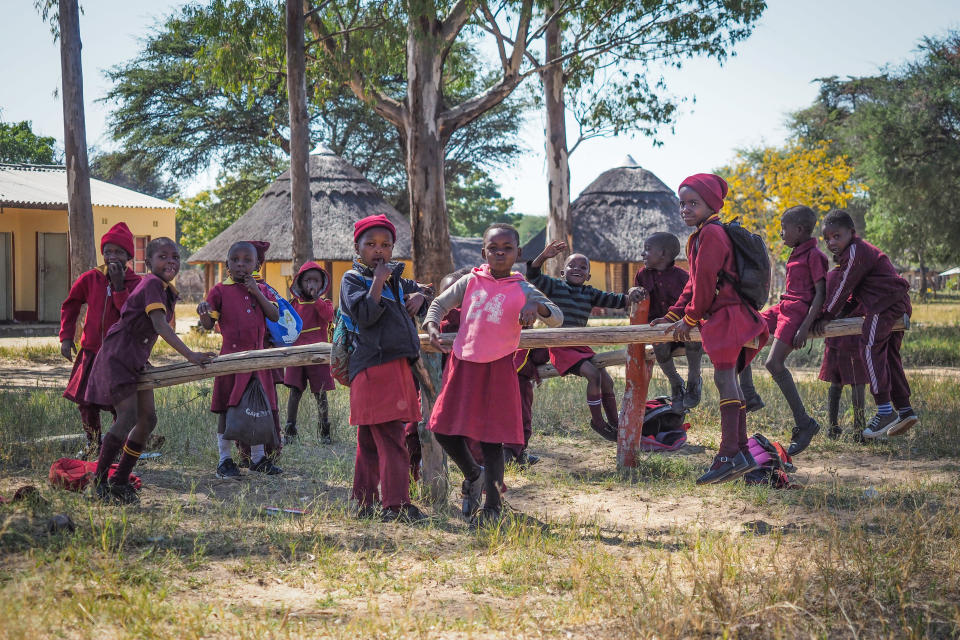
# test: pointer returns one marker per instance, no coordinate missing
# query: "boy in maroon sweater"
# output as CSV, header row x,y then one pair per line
x,y
867,277
662,282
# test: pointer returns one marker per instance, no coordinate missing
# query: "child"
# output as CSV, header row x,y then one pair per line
x,y
275,374
575,299
382,394
726,322
317,314
527,363
126,348
103,290
868,277
790,319
480,398
240,305
662,282
843,365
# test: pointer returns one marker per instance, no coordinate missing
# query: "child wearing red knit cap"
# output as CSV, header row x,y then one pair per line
x,y
726,322
381,304
104,290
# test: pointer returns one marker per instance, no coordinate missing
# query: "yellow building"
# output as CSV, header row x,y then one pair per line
x,y
34,252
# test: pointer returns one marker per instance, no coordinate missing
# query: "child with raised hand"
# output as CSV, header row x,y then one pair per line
x,y
480,398
382,394
867,277
843,365
104,290
240,305
791,319
576,299
146,314
317,314
726,322
662,282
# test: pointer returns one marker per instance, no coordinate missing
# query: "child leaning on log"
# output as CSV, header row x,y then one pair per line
x,y
480,397
382,393
240,306
726,322
147,313
576,299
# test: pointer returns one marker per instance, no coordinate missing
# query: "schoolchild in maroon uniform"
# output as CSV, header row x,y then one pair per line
x,y
576,299
239,305
480,397
726,322
311,283
791,319
662,282
843,365
527,363
103,290
382,393
126,348
258,274
867,276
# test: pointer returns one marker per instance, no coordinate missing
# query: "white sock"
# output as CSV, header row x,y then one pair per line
x,y
224,447
256,453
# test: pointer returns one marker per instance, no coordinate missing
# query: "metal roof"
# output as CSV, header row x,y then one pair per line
x,y
45,187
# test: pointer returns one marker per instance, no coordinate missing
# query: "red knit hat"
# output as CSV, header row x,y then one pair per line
x,y
373,221
261,246
712,188
120,235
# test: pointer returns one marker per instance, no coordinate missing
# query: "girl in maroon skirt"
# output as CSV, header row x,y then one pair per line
x,y
126,348
480,397
843,365
383,397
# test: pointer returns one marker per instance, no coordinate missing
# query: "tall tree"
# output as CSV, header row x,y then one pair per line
x,y
131,171
19,144
299,137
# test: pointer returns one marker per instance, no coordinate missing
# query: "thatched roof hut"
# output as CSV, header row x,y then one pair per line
x,y
611,218
339,196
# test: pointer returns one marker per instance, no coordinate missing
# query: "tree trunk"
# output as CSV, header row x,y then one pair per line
x,y
559,224
299,138
83,250
425,153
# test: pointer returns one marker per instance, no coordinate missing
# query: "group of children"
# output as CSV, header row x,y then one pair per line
x,y
481,417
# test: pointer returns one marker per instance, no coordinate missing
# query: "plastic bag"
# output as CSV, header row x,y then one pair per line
x,y
251,421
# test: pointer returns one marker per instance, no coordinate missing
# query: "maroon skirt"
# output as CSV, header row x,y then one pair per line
x,y
784,319
843,367
566,358
318,375
384,393
80,377
725,332
228,390
479,400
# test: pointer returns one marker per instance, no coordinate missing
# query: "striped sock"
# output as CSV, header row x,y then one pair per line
x,y
596,408
131,453
903,411
885,409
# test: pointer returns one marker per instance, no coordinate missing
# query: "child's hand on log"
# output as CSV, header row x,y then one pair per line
x,y
657,321
529,313
204,309
201,358
434,332
636,294
819,326
681,331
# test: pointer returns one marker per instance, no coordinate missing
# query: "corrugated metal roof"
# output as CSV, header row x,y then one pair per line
x,y
32,185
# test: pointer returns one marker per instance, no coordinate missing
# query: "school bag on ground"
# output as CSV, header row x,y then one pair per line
x,y
285,331
775,463
74,475
251,421
663,429
752,279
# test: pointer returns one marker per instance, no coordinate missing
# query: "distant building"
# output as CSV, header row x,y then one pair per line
x,y
34,251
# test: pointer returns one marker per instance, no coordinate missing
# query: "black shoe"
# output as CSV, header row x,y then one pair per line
x,y
691,397
470,493
266,467
880,424
605,431
677,395
743,464
801,437
406,514
525,460
486,518
117,493
325,438
908,420
835,432
721,470
754,403
368,512
228,469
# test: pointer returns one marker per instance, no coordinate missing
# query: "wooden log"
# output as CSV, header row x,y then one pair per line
x,y
634,403
434,468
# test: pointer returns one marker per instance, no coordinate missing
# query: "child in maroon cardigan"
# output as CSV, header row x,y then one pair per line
x,y
726,322
103,290
662,282
867,276
843,365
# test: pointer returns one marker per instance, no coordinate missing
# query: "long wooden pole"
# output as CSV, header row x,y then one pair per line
x,y
634,402
319,353
300,209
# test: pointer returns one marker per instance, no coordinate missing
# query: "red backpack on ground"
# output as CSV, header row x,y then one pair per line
x,y
663,429
774,463
74,475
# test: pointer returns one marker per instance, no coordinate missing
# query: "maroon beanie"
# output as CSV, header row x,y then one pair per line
x,y
261,246
120,235
712,188
373,221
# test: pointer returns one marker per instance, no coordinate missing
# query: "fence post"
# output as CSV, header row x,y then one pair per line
x,y
634,396
435,481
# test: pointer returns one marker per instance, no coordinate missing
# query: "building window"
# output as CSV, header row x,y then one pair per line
x,y
140,254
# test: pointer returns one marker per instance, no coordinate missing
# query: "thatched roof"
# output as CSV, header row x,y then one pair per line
x,y
340,196
616,212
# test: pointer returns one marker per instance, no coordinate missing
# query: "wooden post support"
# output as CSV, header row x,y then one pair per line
x,y
435,480
635,395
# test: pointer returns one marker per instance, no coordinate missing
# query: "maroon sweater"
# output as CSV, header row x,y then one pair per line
x,y
663,287
867,276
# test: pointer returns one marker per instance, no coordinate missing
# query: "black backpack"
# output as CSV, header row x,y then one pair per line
x,y
752,280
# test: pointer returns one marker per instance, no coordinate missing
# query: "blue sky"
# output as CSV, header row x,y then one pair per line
x,y
741,104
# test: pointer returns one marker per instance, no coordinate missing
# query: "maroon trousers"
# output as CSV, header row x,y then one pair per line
x,y
382,461
526,414
881,355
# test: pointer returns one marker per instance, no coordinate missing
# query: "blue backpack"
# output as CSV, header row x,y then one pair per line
x,y
285,331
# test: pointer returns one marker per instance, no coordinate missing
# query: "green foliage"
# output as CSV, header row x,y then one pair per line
x,y
19,144
474,203
201,218
131,171
529,226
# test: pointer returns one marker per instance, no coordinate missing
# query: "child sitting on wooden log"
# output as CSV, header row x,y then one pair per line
x,y
662,282
147,313
843,365
240,305
576,299
317,314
